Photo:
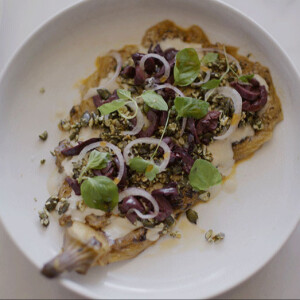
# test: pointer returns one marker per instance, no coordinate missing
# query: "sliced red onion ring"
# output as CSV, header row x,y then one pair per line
x,y
93,91
141,193
114,148
162,59
166,148
139,120
228,55
169,86
207,77
237,102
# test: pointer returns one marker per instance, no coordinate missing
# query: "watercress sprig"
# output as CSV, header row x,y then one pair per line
x,y
97,160
203,175
188,107
100,192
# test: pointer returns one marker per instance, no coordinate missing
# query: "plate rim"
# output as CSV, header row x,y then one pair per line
x,y
74,286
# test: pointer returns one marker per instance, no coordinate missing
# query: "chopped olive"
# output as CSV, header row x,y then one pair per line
x,y
43,136
192,216
43,161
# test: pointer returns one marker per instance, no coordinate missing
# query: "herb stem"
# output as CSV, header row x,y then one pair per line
x,y
162,136
228,67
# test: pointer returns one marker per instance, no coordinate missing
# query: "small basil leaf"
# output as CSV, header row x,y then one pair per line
x,y
144,166
204,175
98,160
211,84
138,164
151,171
191,107
124,94
187,67
100,192
154,100
246,78
209,58
108,108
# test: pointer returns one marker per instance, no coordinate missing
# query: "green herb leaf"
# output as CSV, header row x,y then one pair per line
x,y
191,107
97,160
108,108
100,192
154,100
211,84
246,78
151,171
144,166
124,94
138,164
204,175
187,67
210,58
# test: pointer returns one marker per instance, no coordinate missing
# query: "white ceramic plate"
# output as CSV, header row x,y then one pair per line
x,y
257,217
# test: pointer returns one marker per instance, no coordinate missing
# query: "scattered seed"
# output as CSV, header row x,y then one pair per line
x,y
43,161
213,238
44,217
192,216
43,136
63,207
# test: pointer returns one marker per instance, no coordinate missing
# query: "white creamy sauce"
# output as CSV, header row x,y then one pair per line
x,y
153,233
67,164
222,149
120,227
78,215
178,44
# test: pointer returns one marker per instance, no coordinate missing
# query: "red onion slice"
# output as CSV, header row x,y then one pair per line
x,y
139,120
237,102
166,148
162,59
233,59
207,77
141,193
169,86
93,91
114,148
